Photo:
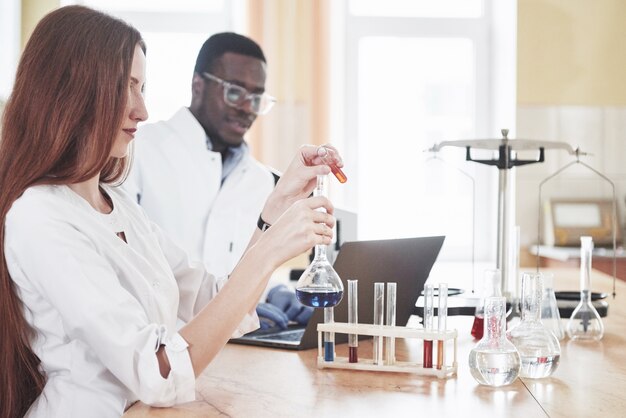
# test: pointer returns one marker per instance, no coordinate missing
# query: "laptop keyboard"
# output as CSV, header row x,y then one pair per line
x,y
282,335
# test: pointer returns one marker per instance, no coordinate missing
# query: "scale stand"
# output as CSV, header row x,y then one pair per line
x,y
506,160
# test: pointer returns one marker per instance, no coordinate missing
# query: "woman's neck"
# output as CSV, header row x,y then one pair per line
x,y
90,191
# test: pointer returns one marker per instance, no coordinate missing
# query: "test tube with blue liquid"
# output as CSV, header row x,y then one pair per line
x,y
320,285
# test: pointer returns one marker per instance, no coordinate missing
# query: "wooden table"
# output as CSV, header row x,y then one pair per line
x,y
246,381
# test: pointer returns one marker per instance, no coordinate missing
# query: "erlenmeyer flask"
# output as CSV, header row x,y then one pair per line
x,y
585,322
549,309
538,347
494,361
491,286
320,285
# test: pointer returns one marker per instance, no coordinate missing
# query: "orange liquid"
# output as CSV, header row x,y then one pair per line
x,y
439,354
338,173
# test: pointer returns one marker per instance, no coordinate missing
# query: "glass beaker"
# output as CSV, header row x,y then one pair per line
x,y
550,315
585,322
494,361
491,286
320,285
538,347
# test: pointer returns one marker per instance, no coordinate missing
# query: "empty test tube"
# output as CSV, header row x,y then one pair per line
x,y
428,325
391,320
442,316
353,312
329,337
379,306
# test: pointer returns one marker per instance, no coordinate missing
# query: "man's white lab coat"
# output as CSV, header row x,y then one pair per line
x,y
178,182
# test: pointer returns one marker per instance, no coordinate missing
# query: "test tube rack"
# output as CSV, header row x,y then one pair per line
x,y
448,369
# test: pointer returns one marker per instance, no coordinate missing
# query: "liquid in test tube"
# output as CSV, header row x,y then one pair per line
x,y
442,316
329,337
353,319
328,157
379,306
391,320
428,325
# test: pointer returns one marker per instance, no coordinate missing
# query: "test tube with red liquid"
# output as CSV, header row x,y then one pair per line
x,y
329,157
428,325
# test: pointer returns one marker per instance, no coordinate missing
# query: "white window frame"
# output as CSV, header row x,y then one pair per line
x,y
494,37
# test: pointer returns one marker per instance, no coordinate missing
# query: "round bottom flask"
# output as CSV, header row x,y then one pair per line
x,y
319,286
538,347
494,361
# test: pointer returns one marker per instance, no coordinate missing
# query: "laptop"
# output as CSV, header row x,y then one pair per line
x,y
406,261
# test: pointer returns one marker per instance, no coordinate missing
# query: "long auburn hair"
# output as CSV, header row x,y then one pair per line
x,y
59,125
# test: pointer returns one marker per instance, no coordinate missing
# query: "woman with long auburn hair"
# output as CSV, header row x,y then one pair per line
x,y
90,289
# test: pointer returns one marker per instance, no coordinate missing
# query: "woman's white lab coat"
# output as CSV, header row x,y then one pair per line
x,y
179,185
100,306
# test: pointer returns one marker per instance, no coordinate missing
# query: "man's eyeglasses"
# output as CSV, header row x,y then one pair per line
x,y
236,96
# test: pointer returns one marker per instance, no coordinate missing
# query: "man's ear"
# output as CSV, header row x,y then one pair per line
x,y
197,85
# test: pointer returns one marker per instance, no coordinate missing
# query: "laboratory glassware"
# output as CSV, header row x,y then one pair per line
x,y
494,361
320,285
353,319
442,315
428,325
538,347
549,309
585,322
390,345
379,312
491,286
328,156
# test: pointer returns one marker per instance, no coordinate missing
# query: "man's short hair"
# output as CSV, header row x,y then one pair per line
x,y
221,43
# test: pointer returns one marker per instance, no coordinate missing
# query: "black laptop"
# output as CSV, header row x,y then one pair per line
x,y
406,261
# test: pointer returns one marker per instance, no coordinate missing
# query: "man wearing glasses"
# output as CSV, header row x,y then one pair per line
x,y
194,174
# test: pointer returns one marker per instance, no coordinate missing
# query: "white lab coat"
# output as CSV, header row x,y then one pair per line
x,y
178,181
101,307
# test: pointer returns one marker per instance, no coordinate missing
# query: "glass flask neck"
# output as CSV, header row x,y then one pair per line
x,y
586,247
320,253
532,292
495,319
321,189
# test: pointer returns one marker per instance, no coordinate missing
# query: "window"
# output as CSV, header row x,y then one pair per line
x,y
174,31
417,73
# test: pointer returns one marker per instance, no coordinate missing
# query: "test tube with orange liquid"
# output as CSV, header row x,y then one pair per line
x,y
329,157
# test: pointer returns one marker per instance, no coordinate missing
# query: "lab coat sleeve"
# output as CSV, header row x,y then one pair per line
x,y
196,286
65,267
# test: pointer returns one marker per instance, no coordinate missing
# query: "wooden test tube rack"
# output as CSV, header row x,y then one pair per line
x,y
448,369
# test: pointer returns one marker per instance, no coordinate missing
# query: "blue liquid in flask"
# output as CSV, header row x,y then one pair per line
x,y
318,299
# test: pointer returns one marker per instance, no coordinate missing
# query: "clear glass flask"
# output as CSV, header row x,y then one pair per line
x,y
320,285
538,347
550,315
491,286
494,361
585,322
